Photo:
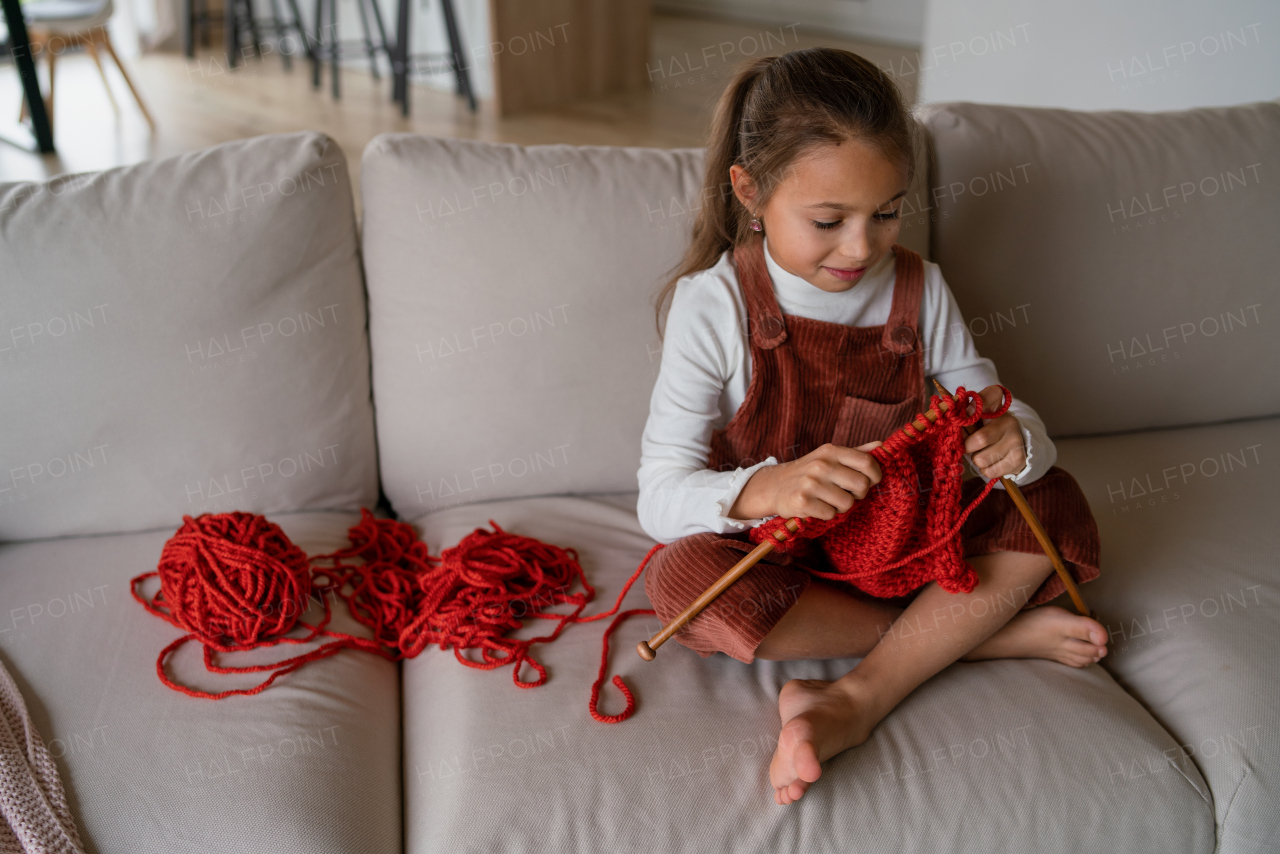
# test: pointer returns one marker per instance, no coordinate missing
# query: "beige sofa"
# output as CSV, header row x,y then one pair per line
x,y
211,332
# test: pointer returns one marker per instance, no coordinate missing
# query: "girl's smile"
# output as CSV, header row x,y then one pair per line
x,y
846,275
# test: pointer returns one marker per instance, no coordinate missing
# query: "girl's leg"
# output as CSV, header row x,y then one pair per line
x,y
821,719
827,622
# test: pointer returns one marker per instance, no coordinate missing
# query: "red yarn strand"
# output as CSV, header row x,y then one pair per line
x,y
234,582
593,705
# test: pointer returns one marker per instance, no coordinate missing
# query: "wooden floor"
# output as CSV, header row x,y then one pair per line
x,y
197,104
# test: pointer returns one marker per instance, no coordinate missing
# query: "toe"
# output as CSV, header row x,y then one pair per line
x,y
1097,633
808,768
1078,653
1077,659
1086,629
1076,646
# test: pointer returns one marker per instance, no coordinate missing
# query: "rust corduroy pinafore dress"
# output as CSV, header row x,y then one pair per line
x,y
814,382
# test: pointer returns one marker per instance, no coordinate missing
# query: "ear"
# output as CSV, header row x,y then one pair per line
x,y
744,187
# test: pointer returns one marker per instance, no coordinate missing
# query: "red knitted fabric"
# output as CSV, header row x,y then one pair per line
x,y
234,582
903,534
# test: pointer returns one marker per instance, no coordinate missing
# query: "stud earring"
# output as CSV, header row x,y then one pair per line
x,y
755,224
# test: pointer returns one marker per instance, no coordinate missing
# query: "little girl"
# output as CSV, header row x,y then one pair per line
x,y
795,313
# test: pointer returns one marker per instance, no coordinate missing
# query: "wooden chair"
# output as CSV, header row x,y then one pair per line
x,y
56,25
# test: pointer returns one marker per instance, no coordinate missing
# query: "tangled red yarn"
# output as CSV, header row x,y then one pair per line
x,y
234,582
903,534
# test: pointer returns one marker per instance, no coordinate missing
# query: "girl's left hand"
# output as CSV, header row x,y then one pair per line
x,y
997,449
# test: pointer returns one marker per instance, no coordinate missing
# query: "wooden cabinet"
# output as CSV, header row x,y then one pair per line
x,y
547,52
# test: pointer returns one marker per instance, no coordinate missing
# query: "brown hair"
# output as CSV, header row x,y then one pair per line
x,y
776,108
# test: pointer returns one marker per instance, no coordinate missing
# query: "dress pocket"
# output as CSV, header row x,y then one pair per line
x,y
861,420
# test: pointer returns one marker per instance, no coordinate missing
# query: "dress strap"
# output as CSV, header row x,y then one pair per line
x,y
764,316
902,330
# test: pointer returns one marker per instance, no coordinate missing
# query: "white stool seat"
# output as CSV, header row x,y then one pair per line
x,y
68,16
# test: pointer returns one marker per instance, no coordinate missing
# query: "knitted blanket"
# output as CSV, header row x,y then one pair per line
x,y
37,819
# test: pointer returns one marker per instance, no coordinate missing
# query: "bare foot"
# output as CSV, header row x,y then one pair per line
x,y
1046,632
818,721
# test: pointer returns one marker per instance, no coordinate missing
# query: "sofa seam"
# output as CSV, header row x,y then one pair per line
x,y
1222,829
1244,419
1196,788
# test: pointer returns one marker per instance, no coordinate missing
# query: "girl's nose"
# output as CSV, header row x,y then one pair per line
x,y
856,243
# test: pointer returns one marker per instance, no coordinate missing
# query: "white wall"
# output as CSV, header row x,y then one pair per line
x,y
1101,54
892,21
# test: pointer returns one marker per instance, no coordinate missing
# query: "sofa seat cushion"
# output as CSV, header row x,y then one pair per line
x,y
311,764
184,335
1188,592
981,757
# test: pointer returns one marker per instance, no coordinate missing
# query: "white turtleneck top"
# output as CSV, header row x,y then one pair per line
x,y
706,370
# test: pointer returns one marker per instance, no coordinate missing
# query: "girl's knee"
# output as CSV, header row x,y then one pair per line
x,y
1017,567
676,567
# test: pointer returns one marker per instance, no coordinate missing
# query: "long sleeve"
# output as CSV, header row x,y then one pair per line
x,y
702,354
705,372
952,359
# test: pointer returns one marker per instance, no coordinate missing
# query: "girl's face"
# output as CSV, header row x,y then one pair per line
x,y
833,216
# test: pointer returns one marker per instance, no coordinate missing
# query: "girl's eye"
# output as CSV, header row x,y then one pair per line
x,y
886,217
825,225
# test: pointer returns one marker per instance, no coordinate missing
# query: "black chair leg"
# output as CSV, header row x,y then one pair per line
x,y
253,28
317,55
400,91
334,50
382,30
281,30
205,38
297,26
230,32
20,50
457,54
368,40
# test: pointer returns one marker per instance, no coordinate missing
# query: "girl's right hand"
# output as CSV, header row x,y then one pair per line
x,y
820,485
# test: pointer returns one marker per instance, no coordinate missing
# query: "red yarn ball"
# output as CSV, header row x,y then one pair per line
x,y
232,580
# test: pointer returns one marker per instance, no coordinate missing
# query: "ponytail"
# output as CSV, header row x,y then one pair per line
x,y
775,109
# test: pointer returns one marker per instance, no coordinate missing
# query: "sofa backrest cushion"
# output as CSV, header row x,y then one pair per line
x,y
183,336
510,312
1118,267
511,316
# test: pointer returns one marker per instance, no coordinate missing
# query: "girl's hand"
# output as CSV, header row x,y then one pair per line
x,y
819,485
998,448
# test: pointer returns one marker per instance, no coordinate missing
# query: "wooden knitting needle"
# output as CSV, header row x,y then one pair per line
x,y
1036,528
649,649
